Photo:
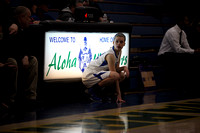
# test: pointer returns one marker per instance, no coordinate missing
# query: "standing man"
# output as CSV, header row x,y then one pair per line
x,y
104,71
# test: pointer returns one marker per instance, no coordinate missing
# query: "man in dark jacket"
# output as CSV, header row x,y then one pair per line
x,y
19,46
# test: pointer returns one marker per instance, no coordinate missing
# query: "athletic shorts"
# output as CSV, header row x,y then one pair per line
x,y
90,79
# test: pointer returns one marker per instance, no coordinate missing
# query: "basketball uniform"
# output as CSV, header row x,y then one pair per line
x,y
98,69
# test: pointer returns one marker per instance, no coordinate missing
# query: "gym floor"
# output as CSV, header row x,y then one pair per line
x,y
147,111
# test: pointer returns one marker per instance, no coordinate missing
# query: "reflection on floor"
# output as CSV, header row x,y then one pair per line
x,y
160,111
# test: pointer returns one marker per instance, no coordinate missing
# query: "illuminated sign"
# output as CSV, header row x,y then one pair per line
x,y
68,53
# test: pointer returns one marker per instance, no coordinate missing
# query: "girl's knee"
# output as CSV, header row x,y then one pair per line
x,y
115,76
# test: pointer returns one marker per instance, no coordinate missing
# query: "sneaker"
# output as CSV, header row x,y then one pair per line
x,y
93,95
94,98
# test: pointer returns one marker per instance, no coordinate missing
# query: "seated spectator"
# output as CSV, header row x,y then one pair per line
x,y
92,3
177,56
67,14
43,11
19,46
33,6
39,10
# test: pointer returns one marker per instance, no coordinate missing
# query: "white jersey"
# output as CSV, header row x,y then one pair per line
x,y
97,69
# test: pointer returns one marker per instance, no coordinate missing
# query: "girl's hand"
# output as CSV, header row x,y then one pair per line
x,y
126,71
119,99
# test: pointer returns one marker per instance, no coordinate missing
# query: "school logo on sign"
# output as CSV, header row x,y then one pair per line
x,y
85,55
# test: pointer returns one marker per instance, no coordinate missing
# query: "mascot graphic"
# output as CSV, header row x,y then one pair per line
x,y
85,55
